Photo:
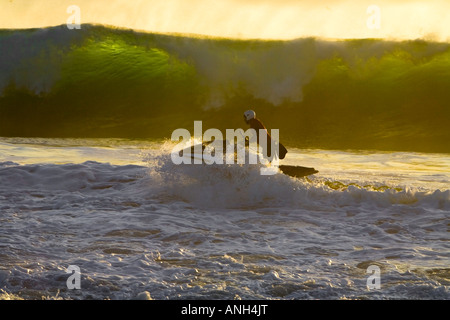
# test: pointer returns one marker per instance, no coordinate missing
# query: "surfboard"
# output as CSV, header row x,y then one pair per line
x,y
297,171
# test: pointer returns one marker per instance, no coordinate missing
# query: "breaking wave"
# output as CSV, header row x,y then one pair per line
x,y
107,82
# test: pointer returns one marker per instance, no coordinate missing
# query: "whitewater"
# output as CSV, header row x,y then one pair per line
x,y
139,226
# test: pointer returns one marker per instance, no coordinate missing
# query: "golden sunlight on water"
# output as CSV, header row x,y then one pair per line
x,y
377,169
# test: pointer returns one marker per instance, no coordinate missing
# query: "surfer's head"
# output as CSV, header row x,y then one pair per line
x,y
248,115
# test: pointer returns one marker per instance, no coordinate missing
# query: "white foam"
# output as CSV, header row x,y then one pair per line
x,y
243,185
196,231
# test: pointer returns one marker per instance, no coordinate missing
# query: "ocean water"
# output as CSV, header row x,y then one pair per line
x,y
86,177
135,223
104,82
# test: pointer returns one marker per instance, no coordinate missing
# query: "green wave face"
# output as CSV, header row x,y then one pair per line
x,y
105,82
123,80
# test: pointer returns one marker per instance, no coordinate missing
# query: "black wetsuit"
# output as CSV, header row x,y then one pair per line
x,y
257,125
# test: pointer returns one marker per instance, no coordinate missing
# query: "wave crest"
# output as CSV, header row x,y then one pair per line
x,y
106,82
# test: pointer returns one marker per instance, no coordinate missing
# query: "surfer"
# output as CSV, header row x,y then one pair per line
x,y
256,124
